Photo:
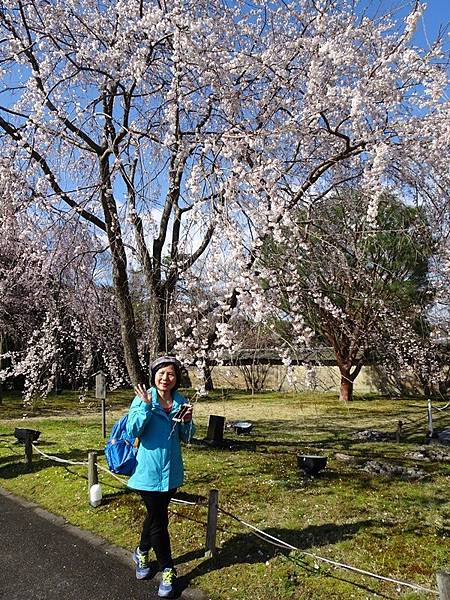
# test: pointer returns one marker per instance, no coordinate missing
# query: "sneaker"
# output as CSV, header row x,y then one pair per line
x,y
167,580
142,565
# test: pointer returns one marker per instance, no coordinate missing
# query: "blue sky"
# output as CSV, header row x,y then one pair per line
x,y
436,14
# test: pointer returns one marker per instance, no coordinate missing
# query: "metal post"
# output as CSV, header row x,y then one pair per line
x,y
211,530
430,419
100,392
443,581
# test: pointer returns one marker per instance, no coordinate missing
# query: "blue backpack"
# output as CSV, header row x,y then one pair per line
x,y
121,449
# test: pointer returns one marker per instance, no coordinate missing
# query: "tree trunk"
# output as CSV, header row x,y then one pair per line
x,y
120,281
127,325
348,377
207,378
163,314
157,342
346,389
427,390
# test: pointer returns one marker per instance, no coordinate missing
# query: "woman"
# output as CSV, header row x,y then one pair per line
x,y
159,470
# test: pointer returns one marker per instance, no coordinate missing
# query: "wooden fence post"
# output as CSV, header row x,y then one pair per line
x,y
103,401
28,448
443,581
211,529
92,470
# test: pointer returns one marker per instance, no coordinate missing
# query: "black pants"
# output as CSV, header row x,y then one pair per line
x,y
155,531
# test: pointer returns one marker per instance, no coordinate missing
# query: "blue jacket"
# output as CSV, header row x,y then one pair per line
x,y
159,464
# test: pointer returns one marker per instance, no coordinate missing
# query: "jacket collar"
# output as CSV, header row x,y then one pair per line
x,y
177,399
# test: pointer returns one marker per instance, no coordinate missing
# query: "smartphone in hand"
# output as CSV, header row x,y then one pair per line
x,y
181,413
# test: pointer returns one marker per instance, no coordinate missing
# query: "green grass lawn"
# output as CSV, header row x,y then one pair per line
x,y
389,526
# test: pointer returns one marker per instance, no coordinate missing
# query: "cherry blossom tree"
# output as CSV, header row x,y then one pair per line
x,y
330,99
350,285
339,98
58,324
168,126
107,108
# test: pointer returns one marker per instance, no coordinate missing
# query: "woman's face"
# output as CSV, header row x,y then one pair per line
x,y
165,379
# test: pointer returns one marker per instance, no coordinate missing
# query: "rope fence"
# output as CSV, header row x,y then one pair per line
x,y
57,458
280,543
441,408
443,578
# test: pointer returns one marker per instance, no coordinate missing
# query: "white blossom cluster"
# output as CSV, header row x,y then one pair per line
x,y
58,326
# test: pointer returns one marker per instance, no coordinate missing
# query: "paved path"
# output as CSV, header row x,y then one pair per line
x,y
44,558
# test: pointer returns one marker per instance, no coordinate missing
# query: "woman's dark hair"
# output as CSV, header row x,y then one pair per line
x,y
165,361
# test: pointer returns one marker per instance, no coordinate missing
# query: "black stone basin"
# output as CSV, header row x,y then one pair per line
x,y
311,464
21,434
242,427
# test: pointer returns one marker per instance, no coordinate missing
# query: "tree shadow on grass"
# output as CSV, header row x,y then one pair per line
x,y
16,466
16,458
333,437
248,549
333,440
